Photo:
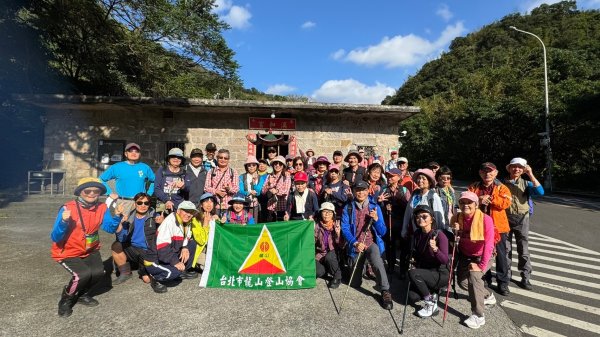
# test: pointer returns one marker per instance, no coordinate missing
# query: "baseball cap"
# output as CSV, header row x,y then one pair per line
x,y
196,152
361,184
487,166
402,159
337,153
131,145
187,206
211,147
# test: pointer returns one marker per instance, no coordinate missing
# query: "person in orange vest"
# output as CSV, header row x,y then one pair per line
x,y
76,242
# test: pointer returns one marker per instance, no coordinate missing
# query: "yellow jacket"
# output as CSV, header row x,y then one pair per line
x,y
200,234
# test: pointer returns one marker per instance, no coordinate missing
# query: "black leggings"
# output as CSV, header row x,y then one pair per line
x,y
428,281
86,272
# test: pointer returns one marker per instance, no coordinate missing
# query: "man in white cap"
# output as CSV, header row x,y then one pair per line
x,y
518,214
406,176
131,177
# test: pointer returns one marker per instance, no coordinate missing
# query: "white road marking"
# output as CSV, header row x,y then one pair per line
x,y
572,280
553,246
555,300
539,332
561,269
563,261
552,252
579,324
548,238
566,290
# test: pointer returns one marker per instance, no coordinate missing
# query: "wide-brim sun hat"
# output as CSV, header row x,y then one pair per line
x,y
251,160
327,206
321,160
187,206
88,182
428,174
353,153
278,159
238,199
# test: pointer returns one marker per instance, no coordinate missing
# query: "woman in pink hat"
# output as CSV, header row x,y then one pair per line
x,y
251,184
317,179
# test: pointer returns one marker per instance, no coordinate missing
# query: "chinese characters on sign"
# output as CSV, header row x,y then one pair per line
x,y
260,282
272,123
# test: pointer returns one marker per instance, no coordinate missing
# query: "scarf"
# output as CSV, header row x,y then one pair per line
x,y
373,187
300,201
85,204
477,230
327,226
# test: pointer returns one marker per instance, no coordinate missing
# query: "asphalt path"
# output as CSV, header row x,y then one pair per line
x,y
31,282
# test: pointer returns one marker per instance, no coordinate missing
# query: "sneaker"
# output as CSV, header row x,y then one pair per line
x,y
121,279
87,300
335,283
525,284
475,322
158,287
503,289
489,299
386,300
430,308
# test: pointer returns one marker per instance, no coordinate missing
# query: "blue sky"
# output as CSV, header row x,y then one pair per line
x,y
350,51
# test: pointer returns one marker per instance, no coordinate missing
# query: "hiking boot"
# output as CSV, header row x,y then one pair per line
x,y
121,279
503,289
475,322
430,308
189,274
489,299
525,284
87,300
158,287
386,300
65,305
335,283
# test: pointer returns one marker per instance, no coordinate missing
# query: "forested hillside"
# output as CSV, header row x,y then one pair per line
x,y
484,98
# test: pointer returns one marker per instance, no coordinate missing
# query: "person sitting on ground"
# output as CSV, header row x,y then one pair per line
x,y
518,215
251,184
353,173
494,199
170,180
358,215
327,242
175,246
475,247
201,223
76,242
303,203
136,242
237,212
318,178
430,253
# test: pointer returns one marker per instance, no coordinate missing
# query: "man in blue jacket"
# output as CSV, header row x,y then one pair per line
x,y
362,227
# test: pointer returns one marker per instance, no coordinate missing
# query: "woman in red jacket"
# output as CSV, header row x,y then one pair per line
x,y
76,242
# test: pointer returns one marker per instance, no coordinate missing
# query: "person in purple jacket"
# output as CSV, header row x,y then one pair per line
x,y
430,253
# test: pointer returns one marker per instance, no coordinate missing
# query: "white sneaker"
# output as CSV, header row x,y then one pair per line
x,y
475,322
490,299
430,308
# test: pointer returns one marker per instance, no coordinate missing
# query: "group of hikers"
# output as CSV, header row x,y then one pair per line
x,y
373,218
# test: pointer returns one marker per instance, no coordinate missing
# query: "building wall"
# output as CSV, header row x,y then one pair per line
x,y
76,134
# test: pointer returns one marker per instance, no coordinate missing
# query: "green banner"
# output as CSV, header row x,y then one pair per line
x,y
271,256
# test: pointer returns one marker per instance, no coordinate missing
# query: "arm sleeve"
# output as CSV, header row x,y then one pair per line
x,y
159,181
380,227
340,194
235,183
242,185
315,203
207,183
503,200
346,227
261,183
442,253
438,209
488,247
151,180
110,223
59,230
106,176
407,219
532,190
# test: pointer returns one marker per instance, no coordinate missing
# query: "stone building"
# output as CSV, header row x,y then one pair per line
x,y
85,134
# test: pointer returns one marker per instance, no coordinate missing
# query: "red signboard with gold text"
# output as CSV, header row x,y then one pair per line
x,y
272,123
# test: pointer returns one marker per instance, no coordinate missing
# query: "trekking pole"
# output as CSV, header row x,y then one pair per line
x,y
355,265
456,239
407,288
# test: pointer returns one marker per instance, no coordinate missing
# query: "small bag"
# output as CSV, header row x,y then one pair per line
x,y
92,241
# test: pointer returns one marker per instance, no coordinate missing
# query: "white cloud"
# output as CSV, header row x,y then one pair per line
x,y
280,89
400,51
308,25
444,12
236,16
337,55
351,91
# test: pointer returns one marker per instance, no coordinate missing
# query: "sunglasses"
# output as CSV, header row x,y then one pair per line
x,y
422,217
298,164
277,164
445,178
145,203
91,191
465,202
224,158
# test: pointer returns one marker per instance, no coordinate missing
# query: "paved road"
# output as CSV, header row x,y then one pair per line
x,y
565,249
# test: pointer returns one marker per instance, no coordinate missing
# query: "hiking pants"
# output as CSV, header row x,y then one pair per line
x,y
428,281
502,263
472,281
374,257
85,271
329,264
519,227
167,272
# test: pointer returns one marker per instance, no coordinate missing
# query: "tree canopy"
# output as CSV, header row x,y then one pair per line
x,y
483,100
